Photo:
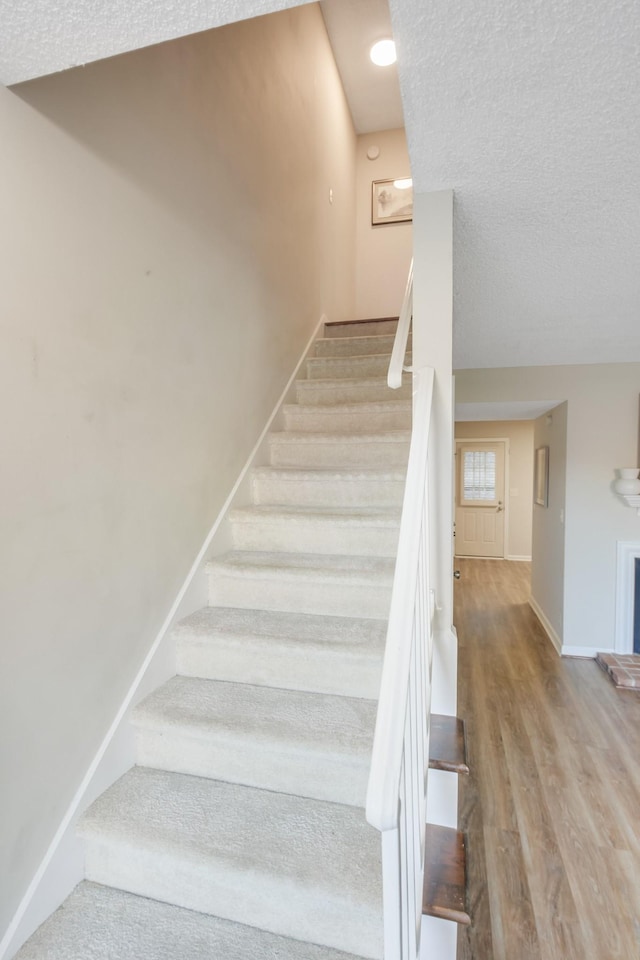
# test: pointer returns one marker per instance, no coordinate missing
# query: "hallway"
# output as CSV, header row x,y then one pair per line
x,y
551,805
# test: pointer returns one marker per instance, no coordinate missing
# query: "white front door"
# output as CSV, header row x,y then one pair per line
x,y
480,467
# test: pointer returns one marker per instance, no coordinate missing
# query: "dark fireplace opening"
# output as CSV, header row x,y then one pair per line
x,y
636,607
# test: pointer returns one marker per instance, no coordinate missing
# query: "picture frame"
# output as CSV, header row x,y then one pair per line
x,y
391,201
541,477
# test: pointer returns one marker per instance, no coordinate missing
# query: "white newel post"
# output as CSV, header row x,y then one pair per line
x,y
432,346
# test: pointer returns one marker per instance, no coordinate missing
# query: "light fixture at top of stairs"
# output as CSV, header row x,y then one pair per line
x,y
383,53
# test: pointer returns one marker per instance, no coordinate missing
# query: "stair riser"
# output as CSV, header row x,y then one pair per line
x,y
300,596
320,368
221,889
236,760
299,536
351,391
332,421
327,493
338,454
358,345
280,664
367,328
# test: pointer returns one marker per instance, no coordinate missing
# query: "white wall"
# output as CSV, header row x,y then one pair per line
x,y
519,495
432,347
602,433
432,343
547,569
383,251
167,248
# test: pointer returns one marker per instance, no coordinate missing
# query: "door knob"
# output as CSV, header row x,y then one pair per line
x,y
456,574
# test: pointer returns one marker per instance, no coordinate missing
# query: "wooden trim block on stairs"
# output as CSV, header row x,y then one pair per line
x,y
445,875
331,324
448,744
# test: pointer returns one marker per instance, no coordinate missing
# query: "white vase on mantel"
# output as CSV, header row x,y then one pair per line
x,y
628,484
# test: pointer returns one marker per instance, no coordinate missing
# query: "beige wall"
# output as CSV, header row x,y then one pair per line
x,y
519,494
602,432
383,251
167,248
547,570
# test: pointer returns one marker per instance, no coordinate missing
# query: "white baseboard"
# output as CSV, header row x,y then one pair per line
x,y
589,652
548,629
62,866
444,686
438,938
518,559
442,798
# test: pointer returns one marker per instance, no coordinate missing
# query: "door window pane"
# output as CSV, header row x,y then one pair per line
x,y
479,475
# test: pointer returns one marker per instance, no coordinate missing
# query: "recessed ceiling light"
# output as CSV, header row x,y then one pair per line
x,y
383,53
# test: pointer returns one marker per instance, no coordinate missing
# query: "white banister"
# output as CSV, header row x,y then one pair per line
x,y
396,364
396,796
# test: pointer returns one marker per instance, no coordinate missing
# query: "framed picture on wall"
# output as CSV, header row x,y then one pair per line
x,y
541,477
391,201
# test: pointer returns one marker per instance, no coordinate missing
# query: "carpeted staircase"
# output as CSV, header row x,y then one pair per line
x,y
241,833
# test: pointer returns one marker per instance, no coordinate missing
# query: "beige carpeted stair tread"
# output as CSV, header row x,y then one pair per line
x,y
100,923
348,531
368,416
307,450
376,364
303,437
330,392
328,487
349,516
309,744
297,867
355,345
345,586
324,654
306,567
364,407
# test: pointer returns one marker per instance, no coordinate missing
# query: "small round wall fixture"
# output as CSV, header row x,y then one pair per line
x,y
373,152
383,53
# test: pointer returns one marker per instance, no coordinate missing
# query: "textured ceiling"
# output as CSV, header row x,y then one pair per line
x,y
529,111
38,37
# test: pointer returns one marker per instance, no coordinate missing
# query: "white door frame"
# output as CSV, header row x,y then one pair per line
x,y
505,441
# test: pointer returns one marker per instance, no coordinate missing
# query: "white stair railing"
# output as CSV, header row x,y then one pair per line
x,y
396,364
397,791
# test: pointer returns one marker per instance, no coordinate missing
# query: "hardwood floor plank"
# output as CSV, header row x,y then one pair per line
x,y
551,807
622,797
512,921
475,941
599,885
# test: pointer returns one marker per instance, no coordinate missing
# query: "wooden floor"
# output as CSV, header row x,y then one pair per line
x,y
552,804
